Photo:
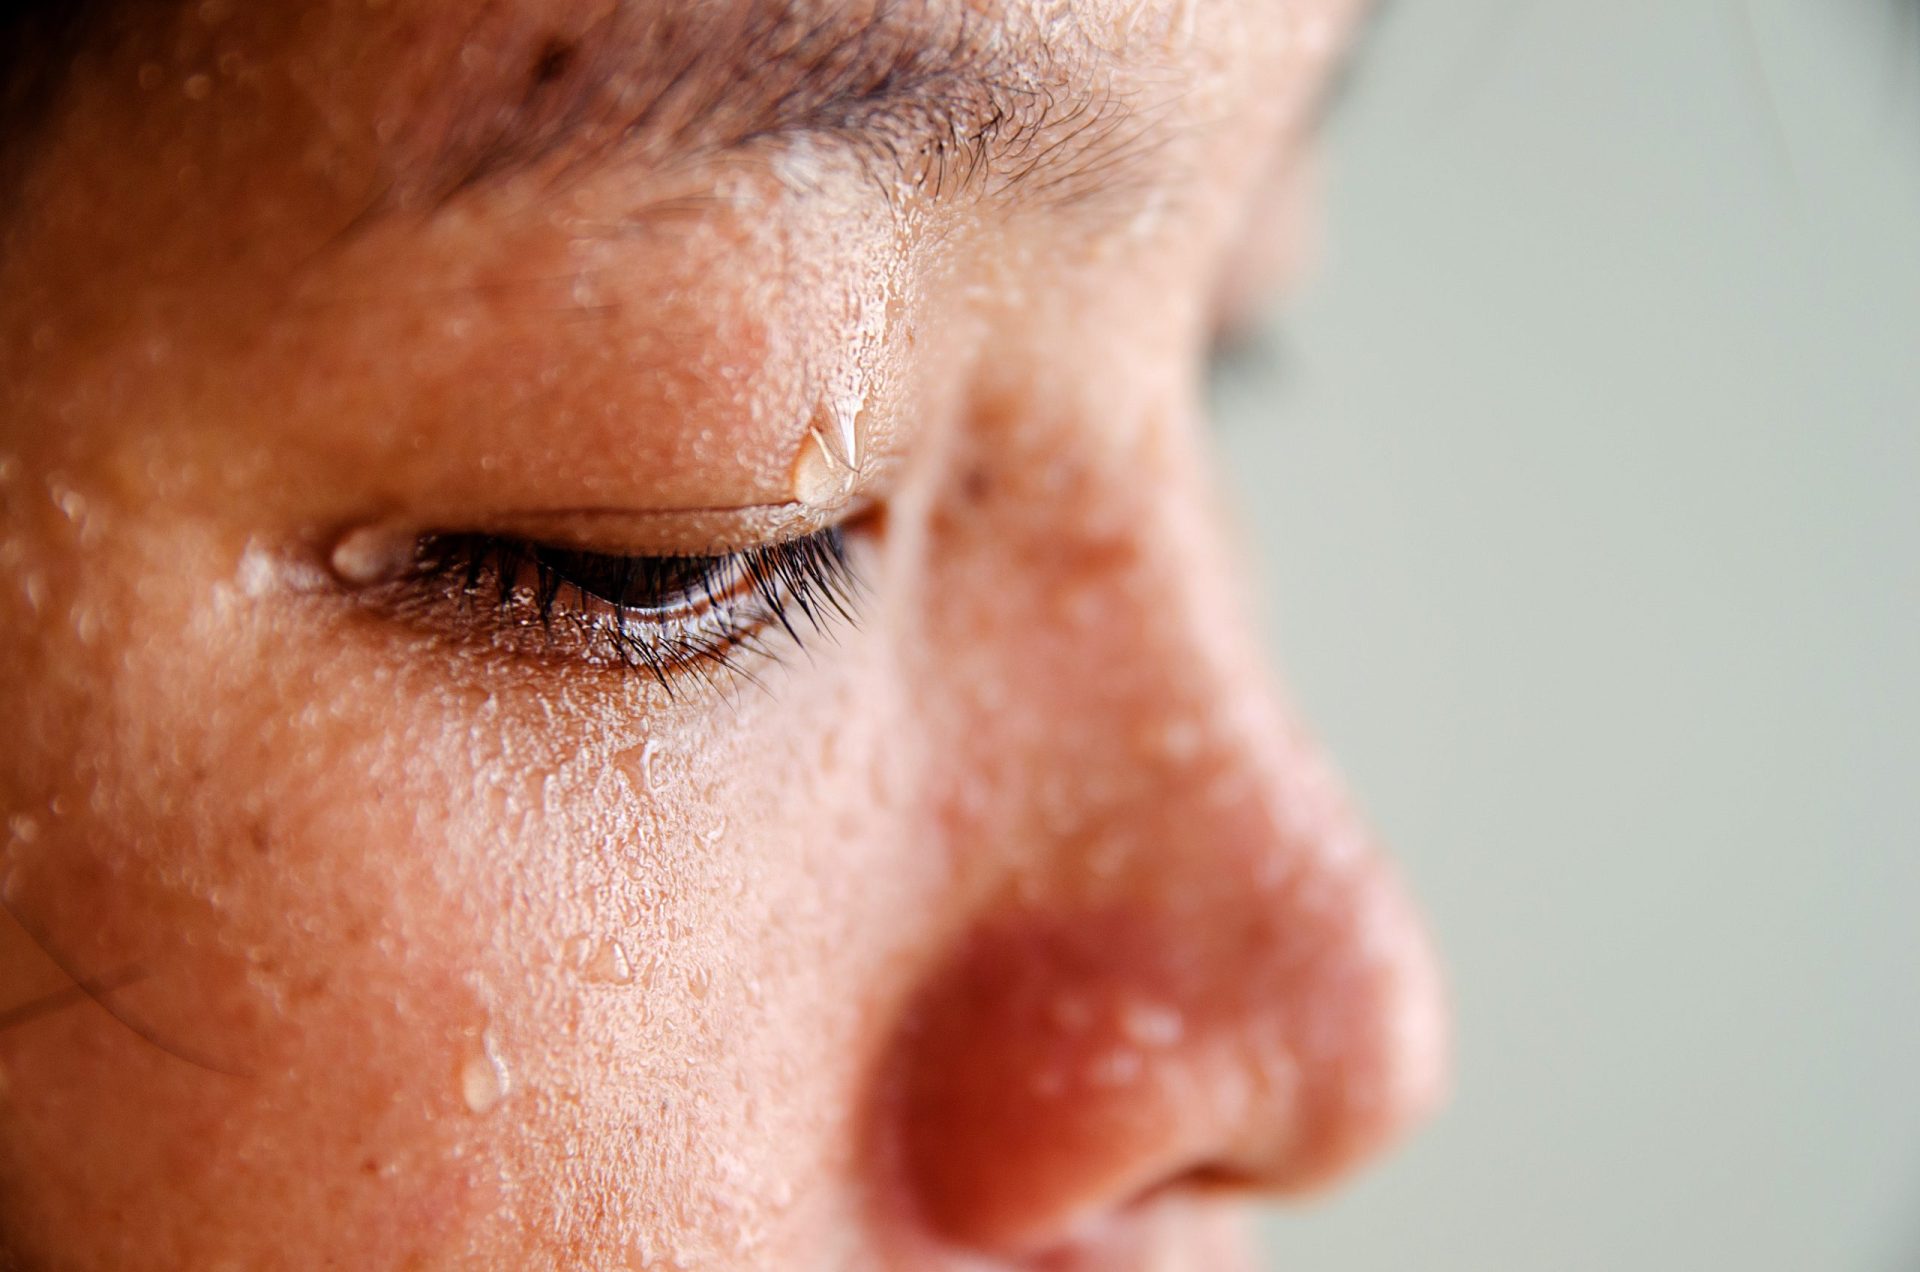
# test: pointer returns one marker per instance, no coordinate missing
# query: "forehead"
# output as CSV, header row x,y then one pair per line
x,y
418,99
463,96
228,135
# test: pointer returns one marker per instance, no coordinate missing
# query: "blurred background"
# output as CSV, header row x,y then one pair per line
x,y
1587,472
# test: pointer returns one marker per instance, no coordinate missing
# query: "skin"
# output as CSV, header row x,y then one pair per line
x,y
1014,924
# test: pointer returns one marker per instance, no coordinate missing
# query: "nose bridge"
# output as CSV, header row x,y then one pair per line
x,y
1194,962
1113,685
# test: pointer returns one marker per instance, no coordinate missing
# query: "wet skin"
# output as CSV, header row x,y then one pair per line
x,y
1005,920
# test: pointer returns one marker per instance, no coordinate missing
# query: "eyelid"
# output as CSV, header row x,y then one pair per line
x,y
693,613
373,551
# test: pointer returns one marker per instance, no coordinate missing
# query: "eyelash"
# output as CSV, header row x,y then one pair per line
x,y
666,616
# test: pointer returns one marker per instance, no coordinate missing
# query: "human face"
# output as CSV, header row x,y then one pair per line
x,y
383,892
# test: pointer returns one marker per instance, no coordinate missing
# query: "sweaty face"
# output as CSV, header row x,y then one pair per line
x,y
616,651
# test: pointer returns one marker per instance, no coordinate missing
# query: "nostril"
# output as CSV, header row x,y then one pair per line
x,y
1207,1180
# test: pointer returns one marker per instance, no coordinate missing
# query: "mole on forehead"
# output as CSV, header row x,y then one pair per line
x,y
526,83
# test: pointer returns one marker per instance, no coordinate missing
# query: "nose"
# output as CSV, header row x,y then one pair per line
x,y
1181,963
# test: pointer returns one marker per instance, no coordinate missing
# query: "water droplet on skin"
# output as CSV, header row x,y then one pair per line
x,y
198,87
370,555
72,504
843,431
257,572
647,973
603,962
1152,1024
86,625
819,479
1119,1067
649,780
484,1080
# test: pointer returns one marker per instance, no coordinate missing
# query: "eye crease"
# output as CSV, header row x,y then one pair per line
x,y
668,617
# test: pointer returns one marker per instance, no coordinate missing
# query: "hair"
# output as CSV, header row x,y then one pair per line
x,y
39,43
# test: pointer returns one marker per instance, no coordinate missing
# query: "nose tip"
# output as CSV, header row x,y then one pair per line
x,y
1069,1062
1361,1024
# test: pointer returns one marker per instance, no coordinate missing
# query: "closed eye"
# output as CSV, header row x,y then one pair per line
x,y
665,616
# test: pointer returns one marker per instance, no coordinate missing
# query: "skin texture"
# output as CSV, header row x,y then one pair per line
x,y
1013,923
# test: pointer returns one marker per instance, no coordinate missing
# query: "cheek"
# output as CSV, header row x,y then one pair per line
x,y
280,1002
436,968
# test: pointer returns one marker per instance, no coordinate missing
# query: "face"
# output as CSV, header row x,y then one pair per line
x,y
617,651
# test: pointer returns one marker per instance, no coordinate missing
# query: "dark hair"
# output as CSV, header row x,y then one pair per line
x,y
39,40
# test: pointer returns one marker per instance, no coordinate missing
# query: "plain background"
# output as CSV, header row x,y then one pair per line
x,y
1588,483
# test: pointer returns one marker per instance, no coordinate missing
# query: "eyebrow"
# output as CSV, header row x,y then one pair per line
x,y
927,97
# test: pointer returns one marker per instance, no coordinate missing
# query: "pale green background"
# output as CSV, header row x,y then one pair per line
x,y
1589,482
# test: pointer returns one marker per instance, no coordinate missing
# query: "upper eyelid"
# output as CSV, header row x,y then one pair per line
x,y
796,585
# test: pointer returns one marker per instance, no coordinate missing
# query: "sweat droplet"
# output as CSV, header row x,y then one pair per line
x,y
602,962
483,1078
841,431
1151,1024
819,479
833,452
371,554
